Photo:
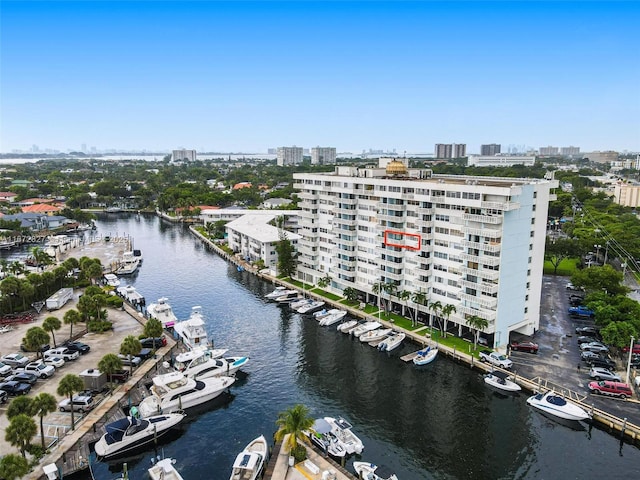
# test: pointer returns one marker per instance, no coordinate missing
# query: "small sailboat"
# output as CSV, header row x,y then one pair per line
x,y
425,356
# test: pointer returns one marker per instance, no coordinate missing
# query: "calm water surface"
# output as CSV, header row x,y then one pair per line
x,y
438,421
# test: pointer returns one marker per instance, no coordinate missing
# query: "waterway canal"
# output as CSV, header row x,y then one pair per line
x,y
438,421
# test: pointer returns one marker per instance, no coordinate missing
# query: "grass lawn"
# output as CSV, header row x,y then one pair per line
x,y
566,268
328,295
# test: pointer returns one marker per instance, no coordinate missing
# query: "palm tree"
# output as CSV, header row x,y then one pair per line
x,y
293,421
52,323
405,295
418,298
435,308
324,281
378,288
390,289
13,466
110,364
69,385
71,317
43,404
41,257
35,338
9,288
153,328
476,324
20,430
447,310
130,346
21,405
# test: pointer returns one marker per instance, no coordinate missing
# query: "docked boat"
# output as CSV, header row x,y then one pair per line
x,y
111,280
319,315
278,292
502,381
342,430
333,318
310,307
371,471
131,295
204,363
249,463
164,470
346,327
287,298
321,436
161,310
191,331
174,391
300,302
557,406
375,335
392,342
364,328
425,356
128,264
130,433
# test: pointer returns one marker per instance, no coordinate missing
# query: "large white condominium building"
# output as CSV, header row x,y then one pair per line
x,y
500,160
473,244
180,155
289,156
323,156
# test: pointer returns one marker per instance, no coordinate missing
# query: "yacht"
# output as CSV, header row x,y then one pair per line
x,y
174,391
278,292
131,295
342,430
130,433
129,264
164,470
191,331
161,310
557,406
201,363
249,463
111,280
310,307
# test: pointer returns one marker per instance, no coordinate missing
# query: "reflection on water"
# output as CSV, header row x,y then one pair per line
x,y
435,422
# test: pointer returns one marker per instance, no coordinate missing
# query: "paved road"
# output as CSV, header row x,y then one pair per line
x,y
559,354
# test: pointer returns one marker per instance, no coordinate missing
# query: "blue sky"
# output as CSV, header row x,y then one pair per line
x,y
246,76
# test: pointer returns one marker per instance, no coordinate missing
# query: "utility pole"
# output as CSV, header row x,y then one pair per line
x,y
629,361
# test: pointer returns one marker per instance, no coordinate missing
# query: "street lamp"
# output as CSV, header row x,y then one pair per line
x,y
629,361
606,252
597,247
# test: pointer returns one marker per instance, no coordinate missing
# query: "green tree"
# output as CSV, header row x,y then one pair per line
x,y
324,281
557,249
477,324
69,385
435,308
52,323
35,338
130,346
110,364
20,431
21,405
153,328
405,296
71,317
604,278
43,404
286,257
9,288
619,333
351,294
41,257
293,421
13,466
446,311
418,298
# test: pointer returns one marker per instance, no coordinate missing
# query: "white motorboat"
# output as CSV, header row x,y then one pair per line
x,y
287,298
371,471
310,307
299,303
333,318
202,363
130,433
365,327
346,327
425,356
278,292
191,331
392,342
557,406
128,264
375,335
164,470
111,280
174,391
161,310
131,295
249,463
502,381
320,435
319,315
342,430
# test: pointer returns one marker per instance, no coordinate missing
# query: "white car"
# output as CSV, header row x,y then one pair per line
x,y
5,369
15,360
600,373
596,347
54,361
40,369
62,352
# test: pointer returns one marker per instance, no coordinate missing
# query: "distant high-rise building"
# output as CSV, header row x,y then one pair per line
x,y
570,150
443,150
459,150
549,151
83,148
272,151
181,155
490,149
323,156
602,157
289,156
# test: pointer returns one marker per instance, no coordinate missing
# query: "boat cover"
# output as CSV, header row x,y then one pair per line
x,y
321,426
384,472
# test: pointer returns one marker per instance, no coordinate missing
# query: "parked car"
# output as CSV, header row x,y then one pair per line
x,y
15,360
77,346
636,348
3,397
588,354
5,369
614,389
127,360
600,373
22,377
571,286
79,403
588,331
40,369
119,376
54,361
43,348
575,300
601,361
585,339
15,388
155,343
524,347
594,347
581,311
63,353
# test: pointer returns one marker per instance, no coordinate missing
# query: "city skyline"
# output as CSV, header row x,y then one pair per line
x,y
248,76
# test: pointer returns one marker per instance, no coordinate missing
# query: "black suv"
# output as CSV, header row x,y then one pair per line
x,y
76,346
602,362
151,342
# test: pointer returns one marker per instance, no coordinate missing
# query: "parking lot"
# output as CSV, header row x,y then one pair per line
x,y
558,358
100,343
